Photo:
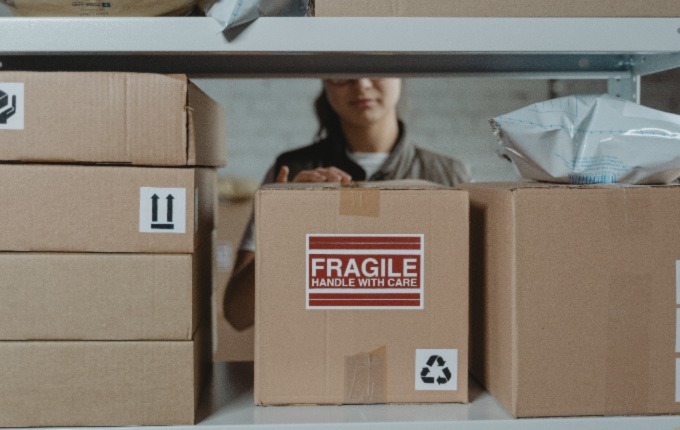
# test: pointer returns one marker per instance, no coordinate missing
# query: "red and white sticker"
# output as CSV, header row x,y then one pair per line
x,y
365,271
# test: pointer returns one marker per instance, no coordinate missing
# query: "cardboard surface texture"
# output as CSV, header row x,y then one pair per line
x,y
105,209
229,343
498,8
110,8
574,298
100,383
403,338
96,296
111,118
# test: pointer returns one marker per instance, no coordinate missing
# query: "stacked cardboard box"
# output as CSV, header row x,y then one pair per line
x,y
361,295
234,209
575,293
498,8
105,262
109,8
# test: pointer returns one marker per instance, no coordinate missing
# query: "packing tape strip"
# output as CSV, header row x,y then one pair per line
x,y
355,201
366,377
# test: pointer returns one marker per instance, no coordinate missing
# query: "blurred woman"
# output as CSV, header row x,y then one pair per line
x,y
360,138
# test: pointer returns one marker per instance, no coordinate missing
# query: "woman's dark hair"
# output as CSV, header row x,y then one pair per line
x,y
329,121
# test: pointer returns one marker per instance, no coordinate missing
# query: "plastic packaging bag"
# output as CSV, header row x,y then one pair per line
x,y
233,13
591,139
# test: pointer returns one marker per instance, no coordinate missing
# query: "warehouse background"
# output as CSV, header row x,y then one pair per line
x,y
449,115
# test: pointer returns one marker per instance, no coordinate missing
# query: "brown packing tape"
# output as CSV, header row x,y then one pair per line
x,y
356,201
366,377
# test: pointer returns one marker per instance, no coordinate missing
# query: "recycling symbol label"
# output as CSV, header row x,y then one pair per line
x,y
437,369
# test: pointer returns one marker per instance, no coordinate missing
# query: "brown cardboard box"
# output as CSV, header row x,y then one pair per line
x,y
90,8
100,383
104,208
404,342
229,343
498,8
114,118
574,305
104,296
62,296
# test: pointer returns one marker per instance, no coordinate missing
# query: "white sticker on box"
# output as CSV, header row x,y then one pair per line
x,y
436,369
677,282
11,106
677,380
162,210
196,210
225,256
677,330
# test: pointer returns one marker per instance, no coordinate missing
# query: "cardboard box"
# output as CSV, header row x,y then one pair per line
x,y
498,8
63,296
230,344
574,304
102,296
394,326
90,8
113,118
101,383
105,209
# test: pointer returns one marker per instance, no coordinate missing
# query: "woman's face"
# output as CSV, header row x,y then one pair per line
x,y
363,102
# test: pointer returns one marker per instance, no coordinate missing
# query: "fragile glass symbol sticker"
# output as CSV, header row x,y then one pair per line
x,y
162,210
437,369
11,106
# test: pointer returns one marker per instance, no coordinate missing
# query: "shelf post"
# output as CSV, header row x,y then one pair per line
x,y
627,88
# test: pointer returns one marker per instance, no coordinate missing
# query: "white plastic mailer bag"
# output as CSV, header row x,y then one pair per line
x,y
591,139
233,13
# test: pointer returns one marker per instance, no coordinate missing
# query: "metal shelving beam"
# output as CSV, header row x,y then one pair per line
x,y
512,47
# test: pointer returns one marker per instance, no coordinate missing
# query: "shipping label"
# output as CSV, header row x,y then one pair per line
x,y
11,106
365,271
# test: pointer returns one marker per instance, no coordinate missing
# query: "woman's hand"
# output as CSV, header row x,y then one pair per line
x,y
320,174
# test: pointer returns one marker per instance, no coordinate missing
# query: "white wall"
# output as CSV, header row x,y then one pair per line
x,y
450,115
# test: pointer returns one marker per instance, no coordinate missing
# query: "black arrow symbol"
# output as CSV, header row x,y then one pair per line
x,y
431,360
441,380
426,379
154,208
447,373
440,361
170,198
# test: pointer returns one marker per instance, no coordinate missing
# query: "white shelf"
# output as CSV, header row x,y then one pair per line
x,y
229,405
612,48
534,47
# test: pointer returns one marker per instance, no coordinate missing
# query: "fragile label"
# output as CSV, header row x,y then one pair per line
x,y
365,271
436,369
162,210
11,106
